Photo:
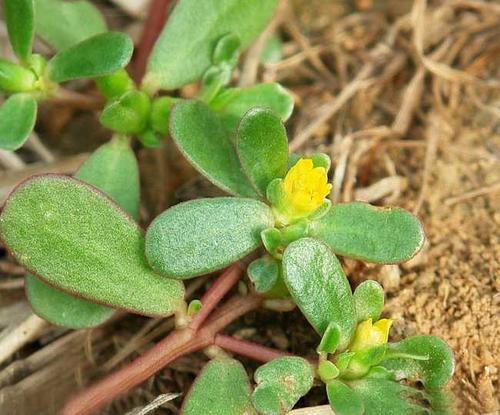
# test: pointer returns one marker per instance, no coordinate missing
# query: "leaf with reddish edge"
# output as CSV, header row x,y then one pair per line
x,y
74,237
222,388
113,169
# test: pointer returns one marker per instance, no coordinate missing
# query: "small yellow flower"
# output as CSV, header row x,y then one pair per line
x,y
369,335
305,187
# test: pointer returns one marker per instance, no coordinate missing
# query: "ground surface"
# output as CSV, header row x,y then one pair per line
x,y
406,100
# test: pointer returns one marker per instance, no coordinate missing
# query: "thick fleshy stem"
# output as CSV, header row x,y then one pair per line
x,y
177,344
155,20
216,292
248,349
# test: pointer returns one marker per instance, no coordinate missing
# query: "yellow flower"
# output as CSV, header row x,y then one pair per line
x,y
369,335
305,187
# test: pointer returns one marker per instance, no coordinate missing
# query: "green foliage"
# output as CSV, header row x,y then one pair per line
x,y
96,56
17,119
327,370
369,300
202,138
99,258
272,51
227,50
434,370
62,309
262,147
222,388
127,114
15,78
280,384
331,339
193,31
160,113
318,285
264,273
63,24
112,168
115,84
232,103
204,235
382,397
19,15
380,235
343,400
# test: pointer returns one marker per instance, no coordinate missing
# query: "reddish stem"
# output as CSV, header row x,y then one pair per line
x,y
175,345
248,349
155,20
215,293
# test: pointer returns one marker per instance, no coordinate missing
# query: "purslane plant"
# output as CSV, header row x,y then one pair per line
x,y
79,237
87,50
98,253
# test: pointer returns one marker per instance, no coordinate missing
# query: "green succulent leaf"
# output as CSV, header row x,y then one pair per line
x,y
63,24
264,273
127,114
63,309
113,169
232,103
369,300
16,78
204,235
382,397
272,51
96,56
262,147
280,384
222,388
330,340
20,25
317,282
434,371
160,113
17,120
362,231
115,85
206,143
73,237
192,32
344,400
227,50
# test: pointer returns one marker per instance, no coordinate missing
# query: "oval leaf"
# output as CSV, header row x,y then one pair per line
x,y
280,384
76,239
317,282
343,400
113,169
17,120
262,147
127,114
222,388
382,396
20,25
99,55
361,231
63,309
434,371
76,21
204,235
232,103
192,32
205,142
369,300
